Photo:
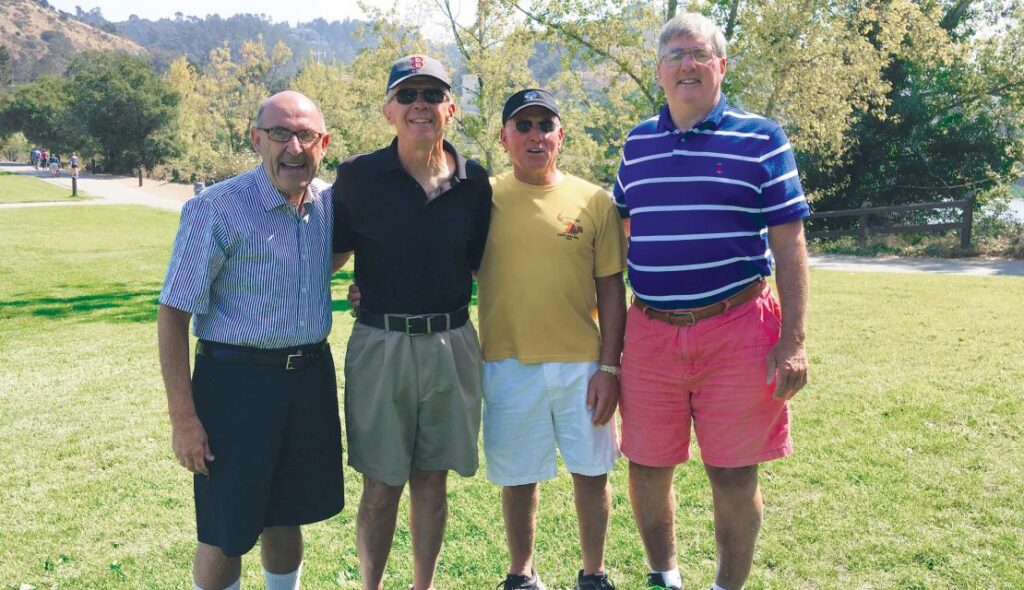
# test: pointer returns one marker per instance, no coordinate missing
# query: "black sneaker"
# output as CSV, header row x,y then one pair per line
x,y
518,582
656,582
598,581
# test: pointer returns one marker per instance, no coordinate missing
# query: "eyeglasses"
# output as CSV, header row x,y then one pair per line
x,y
431,95
545,126
284,135
698,54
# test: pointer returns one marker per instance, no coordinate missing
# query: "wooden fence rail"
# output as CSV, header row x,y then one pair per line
x,y
865,229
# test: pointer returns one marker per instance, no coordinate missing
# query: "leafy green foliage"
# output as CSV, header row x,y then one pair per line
x,y
124,106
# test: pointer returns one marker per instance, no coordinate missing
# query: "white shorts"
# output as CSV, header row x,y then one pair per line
x,y
529,409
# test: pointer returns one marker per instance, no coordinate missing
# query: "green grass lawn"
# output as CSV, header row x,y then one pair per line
x,y
907,473
18,188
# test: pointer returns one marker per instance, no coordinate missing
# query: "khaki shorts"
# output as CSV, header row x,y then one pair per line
x,y
412,402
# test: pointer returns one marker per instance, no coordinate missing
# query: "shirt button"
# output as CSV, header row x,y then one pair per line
x,y
302,322
305,290
304,257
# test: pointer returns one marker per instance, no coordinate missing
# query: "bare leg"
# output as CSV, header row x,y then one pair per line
x,y
281,549
654,508
428,514
212,570
593,505
519,506
738,512
375,529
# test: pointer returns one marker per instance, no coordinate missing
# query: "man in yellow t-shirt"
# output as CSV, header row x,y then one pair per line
x,y
555,253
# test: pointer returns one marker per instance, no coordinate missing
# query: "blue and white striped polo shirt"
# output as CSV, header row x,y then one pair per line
x,y
700,203
249,269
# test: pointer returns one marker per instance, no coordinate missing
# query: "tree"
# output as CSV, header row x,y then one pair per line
x,y
124,106
6,66
40,110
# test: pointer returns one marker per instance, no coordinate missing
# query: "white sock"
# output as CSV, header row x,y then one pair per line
x,y
715,586
236,586
283,581
672,577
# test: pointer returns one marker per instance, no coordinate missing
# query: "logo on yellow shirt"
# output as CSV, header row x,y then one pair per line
x,y
573,227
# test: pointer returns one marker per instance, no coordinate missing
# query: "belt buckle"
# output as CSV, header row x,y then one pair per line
x,y
288,363
687,318
409,326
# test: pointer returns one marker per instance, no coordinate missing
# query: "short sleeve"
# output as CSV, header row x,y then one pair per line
x,y
197,257
781,193
342,240
610,239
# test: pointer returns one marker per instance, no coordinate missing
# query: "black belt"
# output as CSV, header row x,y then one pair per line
x,y
289,359
415,325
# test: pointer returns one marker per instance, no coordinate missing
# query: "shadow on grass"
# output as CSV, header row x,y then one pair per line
x,y
86,303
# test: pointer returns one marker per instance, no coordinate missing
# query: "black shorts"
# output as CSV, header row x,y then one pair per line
x,y
276,436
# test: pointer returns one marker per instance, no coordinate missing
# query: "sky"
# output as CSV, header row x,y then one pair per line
x,y
278,11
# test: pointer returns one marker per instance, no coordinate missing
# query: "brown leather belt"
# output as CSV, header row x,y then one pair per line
x,y
689,317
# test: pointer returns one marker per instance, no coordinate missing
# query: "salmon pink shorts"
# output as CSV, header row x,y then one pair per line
x,y
710,375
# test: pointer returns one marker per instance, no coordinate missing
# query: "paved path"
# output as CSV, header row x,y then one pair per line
x,y
108,190
960,266
123,190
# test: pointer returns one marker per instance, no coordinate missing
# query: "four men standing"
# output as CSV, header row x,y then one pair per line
x,y
706,188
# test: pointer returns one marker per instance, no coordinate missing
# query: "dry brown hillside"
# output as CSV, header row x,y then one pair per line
x,y
42,40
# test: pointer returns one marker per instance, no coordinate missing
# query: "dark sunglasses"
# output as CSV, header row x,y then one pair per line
x,y
284,135
545,126
431,95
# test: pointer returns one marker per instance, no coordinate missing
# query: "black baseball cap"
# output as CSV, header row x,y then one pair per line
x,y
414,65
528,98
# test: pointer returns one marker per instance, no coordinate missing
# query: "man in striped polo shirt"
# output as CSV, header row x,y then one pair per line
x,y
712,200
257,422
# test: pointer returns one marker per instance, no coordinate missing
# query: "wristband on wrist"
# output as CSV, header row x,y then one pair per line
x,y
613,369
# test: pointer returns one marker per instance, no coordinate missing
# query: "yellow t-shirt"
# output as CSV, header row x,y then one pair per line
x,y
536,283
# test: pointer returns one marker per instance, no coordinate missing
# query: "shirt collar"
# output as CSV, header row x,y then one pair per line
x,y
712,121
271,198
389,158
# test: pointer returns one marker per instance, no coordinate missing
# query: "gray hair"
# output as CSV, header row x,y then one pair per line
x,y
692,24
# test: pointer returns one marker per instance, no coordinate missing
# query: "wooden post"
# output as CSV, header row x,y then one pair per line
x,y
863,225
965,231
74,186
140,175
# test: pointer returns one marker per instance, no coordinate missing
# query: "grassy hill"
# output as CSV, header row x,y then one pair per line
x,y
42,40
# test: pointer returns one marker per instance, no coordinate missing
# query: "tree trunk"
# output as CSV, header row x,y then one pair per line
x,y
670,10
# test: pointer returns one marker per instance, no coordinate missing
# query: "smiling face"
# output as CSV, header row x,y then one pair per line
x,y
419,122
534,154
290,165
691,88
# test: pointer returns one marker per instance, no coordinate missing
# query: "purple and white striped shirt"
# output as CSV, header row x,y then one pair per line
x,y
700,203
249,268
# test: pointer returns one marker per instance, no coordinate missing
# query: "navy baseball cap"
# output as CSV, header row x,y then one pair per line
x,y
411,66
529,97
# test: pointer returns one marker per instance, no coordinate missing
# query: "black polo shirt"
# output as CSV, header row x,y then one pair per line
x,y
413,256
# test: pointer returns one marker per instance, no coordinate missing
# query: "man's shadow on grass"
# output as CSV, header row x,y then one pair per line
x,y
87,303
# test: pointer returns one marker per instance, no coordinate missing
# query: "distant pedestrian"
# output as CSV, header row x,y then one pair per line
x,y
44,158
36,157
54,165
74,164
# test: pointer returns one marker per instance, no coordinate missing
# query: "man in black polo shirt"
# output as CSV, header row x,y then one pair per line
x,y
416,215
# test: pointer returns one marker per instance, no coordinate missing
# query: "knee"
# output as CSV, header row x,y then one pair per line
x,y
734,481
379,496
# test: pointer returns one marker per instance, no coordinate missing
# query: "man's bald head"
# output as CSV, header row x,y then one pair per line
x,y
290,99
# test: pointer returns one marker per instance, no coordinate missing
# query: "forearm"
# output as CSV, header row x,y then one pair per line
x,y
611,317
790,251
338,260
172,337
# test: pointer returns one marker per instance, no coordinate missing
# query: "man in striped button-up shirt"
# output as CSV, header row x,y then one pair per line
x,y
711,194
257,423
